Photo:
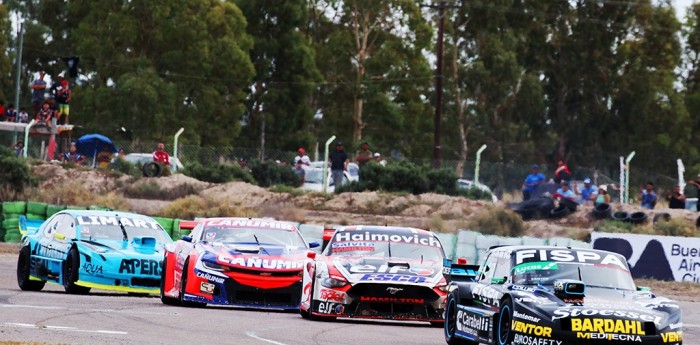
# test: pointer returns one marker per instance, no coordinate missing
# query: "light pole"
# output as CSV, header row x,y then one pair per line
x,y
18,64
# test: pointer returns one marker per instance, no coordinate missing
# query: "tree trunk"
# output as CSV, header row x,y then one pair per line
x,y
361,30
561,117
461,118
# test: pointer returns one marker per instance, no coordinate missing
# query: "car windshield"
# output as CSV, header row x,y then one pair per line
x,y
276,237
114,232
409,246
595,275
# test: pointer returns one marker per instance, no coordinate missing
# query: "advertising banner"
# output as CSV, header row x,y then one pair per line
x,y
658,257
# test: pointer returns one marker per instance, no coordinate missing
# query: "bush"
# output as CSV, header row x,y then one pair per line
x,y
675,227
403,177
442,181
352,186
498,221
218,173
270,173
370,174
474,194
616,226
14,175
125,167
281,188
193,206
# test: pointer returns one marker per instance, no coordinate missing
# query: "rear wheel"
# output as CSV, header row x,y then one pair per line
x,y
504,335
183,284
163,298
451,324
71,269
23,269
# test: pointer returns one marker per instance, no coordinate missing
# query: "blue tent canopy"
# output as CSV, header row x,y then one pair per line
x,y
90,144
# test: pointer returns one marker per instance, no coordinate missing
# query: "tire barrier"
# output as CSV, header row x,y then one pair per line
x,y
560,212
152,169
620,216
602,211
53,209
37,208
638,218
16,207
662,217
572,205
533,209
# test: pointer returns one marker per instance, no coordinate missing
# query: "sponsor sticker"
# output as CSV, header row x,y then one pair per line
x,y
471,323
519,315
257,262
140,266
393,278
332,295
249,223
578,312
564,255
372,299
207,288
598,325
330,308
210,277
609,336
350,246
521,339
107,220
535,266
531,329
386,236
672,337
91,268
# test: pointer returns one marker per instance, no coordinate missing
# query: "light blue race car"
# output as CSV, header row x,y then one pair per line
x,y
81,250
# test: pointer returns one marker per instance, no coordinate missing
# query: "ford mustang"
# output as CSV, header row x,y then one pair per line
x,y
244,262
92,249
555,296
376,272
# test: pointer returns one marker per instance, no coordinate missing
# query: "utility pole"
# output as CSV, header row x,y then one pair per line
x,y
438,83
18,77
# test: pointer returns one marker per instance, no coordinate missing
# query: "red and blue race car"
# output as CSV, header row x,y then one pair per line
x,y
255,263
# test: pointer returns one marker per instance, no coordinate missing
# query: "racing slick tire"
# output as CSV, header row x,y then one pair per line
x,y
183,283
450,324
23,264
503,333
71,269
163,298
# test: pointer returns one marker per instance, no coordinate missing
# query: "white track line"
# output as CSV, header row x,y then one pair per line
x,y
85,310
62,328
255,336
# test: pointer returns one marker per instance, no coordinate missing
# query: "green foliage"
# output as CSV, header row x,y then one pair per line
x,y
151,190
443,181
498,221
676,227
15,176
270,173
281,188
474,194
218,173
615,226
125,167
352,186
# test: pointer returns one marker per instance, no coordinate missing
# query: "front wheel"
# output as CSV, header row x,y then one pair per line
x,y
163,298
23,269
183,284
71,269
504,335
451,324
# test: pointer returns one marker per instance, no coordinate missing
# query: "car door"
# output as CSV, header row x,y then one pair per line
x,y
488,289
182,251
52,247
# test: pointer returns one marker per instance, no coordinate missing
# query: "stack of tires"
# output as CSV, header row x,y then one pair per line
x,y
10,213
36,210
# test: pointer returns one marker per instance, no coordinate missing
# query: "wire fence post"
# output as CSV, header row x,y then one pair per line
x,y
325,164
477,163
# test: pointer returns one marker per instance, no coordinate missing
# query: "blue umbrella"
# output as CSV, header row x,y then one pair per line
x,y
90,144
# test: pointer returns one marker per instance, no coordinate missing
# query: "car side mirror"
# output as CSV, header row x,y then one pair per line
x,y
187,238
311,255
59,237
462,261
314,244
498,281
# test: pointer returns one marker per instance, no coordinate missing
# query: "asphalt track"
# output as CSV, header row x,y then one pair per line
x,y
53,316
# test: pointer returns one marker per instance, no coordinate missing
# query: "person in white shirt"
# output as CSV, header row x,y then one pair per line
x,y
301,156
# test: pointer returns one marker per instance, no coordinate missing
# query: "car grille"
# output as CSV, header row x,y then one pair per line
x,y
379,301
243,294
264,273
145,282
400,291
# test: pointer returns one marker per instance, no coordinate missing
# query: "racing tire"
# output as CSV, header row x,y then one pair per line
x,y
620,216
503,333
71,268
183,283
152,169
602,211
662,217
450,324
572,205
559,212
163,298
638,218
23,269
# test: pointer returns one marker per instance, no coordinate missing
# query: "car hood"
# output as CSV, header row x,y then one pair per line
x,y
388,270
261,257
125,248
598,303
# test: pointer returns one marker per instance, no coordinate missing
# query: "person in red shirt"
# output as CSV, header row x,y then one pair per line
x,y
161,156
562,173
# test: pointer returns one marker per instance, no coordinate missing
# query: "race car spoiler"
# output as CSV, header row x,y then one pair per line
x,y
29,226
327,235
460,271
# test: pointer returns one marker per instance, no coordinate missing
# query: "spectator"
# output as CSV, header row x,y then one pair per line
x,y
23,117
122,154
43,117
11,114
696,183
562,173
63,98
648,196
38,90
73,156
160,156
299,170
302,157
19,148
104,157
565,192
532,181
603,196
378,158
3,110
677,199
53,90
339,163
364,155
588,193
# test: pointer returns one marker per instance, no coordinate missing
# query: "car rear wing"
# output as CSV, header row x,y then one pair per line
x,y
27,226
186,225
328,232
460,271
